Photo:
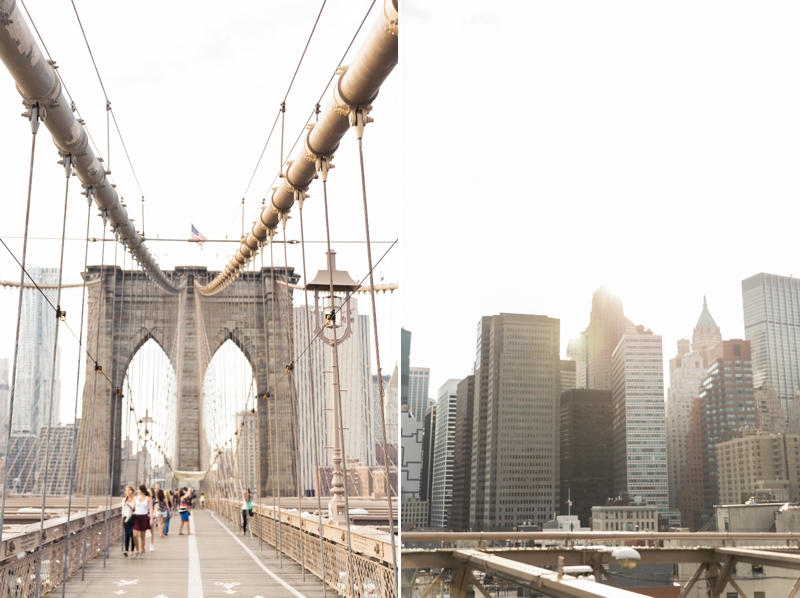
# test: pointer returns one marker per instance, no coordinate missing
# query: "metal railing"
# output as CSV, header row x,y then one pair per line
x,y
299,539
20,555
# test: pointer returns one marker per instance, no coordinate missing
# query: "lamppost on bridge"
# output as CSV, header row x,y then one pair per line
x,y
332,324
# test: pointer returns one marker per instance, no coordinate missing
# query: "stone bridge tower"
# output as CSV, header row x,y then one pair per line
x,y
125,310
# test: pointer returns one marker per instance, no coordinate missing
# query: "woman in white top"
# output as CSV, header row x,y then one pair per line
x,y
128,506
142,518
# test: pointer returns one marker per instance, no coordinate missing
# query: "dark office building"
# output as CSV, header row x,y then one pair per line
x,y
428,440
727,405
462,455
587,457
405,360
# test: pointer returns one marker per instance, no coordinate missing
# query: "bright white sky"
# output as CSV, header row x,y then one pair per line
x,y
551,147
195,89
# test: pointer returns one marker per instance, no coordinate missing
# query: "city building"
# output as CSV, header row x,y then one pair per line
x,y
692,497
607,325
246,468
771,417
21,462
390,413
640,443
442,487
414,513
568,374
462,455
515,466
772,325
576,351
35,386
411,440
418,381
59,444
587,455
428,444
706,334
405,361
759,462
625,516
358,395
686,374
727,407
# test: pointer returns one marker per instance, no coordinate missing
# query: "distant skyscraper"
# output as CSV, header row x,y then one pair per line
x,y
428,444
515,467
772,325
640,443
587,450
411,454
358,400
706,334
35,363
442,489
686,374
405,364
607,324
390,411
568,375
576,351
462,455
771,418
418,380
727,407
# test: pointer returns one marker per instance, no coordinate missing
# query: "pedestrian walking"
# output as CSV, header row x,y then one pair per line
x,y
183,509
168,496
142,518
245,510
128,507
161,510
155,510
202,500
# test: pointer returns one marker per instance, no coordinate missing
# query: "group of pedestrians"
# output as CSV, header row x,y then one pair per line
x,y
146,510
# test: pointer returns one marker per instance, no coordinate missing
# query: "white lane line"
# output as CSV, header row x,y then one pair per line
x,y
257,560
195,581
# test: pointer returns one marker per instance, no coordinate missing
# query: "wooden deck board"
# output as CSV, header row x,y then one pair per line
x,y
222,560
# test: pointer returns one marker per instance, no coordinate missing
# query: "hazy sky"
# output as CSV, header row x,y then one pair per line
x,y
551,147
195,90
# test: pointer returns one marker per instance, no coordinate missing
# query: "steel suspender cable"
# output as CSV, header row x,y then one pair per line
x,y
116,396
73,460
97,369
59,314
359,134
315,441
293,393
335,369
276,437
33,114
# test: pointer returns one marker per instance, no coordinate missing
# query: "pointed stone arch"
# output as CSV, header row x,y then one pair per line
x,y
126,310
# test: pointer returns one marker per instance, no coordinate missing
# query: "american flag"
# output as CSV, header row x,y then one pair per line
x,y
198,236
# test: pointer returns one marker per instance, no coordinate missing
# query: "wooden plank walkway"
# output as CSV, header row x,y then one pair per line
x,y
216,562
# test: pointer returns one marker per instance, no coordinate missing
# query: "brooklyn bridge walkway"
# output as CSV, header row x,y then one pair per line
x,y
215,561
